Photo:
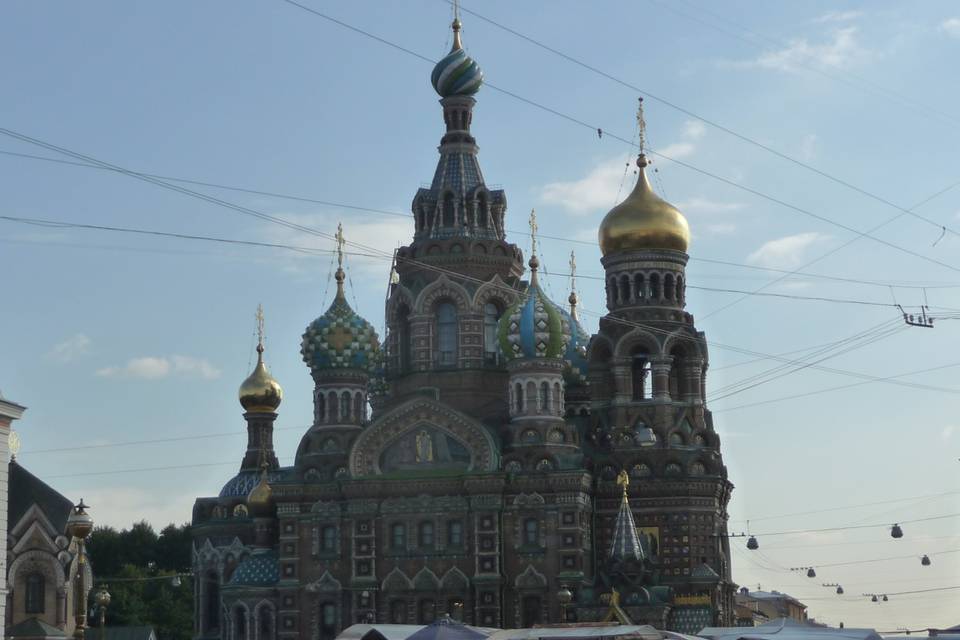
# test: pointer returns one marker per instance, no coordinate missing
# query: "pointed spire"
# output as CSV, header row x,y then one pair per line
x,y
456,26
534,260
573,300
626,543
340,275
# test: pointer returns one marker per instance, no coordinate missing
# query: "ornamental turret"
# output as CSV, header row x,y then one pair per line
x,y
260,396
342,350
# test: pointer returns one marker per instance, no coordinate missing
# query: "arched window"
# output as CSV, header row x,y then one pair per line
x,y
265,626
328,621
624,289
612,292
332,405
655,286
449,211
239,624
677,384
557,399
639,372
531,397
320,408
455,533
398,612
668,289
359,408
491,315
639,287
329,539
426,535
398,536
544,397
36,594
518,396
446,335
345,406
428,611
482,216
531,531
212,610
680,291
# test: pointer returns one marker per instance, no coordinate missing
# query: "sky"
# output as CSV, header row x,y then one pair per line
x,y
783,131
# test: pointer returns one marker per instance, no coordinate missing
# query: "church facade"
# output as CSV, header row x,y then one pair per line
x,y
488,459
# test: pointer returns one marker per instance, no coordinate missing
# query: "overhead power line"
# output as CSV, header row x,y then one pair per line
x,y
705,120
540,236
593,128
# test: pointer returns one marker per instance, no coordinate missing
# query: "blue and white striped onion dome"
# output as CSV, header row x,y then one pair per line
x,y
457,74
534,327
576,353
339,339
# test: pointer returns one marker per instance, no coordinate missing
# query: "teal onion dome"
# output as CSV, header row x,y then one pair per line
x,y
576,353
457,74
534,327
340,338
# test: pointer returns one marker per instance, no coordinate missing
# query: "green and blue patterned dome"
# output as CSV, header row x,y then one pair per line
x,y
457,74
534,327
576,353
340,338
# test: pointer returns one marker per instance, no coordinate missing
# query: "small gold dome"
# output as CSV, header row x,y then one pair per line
x,y
260,392
259,498
643,221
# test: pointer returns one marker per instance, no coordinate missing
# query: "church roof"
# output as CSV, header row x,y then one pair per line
x,y
33,628
260,569
26,490
626,542
240,485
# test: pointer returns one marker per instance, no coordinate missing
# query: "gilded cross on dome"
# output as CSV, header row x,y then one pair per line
x,y
533,232
339,337
259,328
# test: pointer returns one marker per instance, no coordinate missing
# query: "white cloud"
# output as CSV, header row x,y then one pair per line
x,y
701,205
948,432
951,27
598,190
70,349
786,252
838,16
153,368
843,51
808,146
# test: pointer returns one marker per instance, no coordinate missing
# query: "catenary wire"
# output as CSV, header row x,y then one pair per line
x,y
681,163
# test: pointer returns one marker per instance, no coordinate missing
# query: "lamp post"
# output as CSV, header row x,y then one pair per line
x,y
103,600
564,597
79,526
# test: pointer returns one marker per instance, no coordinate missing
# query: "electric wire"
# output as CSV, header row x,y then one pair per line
x,y
681,163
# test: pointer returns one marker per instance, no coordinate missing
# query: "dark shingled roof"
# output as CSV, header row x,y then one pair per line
x,y
34,628
119,633
26,489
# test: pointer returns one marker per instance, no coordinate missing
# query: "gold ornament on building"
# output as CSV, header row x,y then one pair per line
x,y
258,500
260,392
644,220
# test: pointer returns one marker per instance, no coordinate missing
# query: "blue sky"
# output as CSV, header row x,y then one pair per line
x,y
113,337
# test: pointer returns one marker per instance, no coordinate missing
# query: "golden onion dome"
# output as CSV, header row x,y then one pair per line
x,y
260,497
260,392
643,221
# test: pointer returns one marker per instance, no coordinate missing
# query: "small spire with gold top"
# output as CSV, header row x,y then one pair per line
x,y
260,393
625,545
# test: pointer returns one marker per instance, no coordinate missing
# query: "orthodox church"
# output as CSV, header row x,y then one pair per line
x,y
488,459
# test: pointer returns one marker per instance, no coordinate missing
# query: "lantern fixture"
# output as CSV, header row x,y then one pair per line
x,y
752,543
811,573
896,531
839,590
925,560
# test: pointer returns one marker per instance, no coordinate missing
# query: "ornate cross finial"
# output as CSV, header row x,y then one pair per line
x,y
259,328
573,271
456,26
340,243
642,136
533,232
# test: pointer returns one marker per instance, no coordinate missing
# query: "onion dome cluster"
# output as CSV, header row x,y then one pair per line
x,y
260,392
643,221
534,327
457,74
340,338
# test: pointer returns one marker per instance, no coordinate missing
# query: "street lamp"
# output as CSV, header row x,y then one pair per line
x,y
564,596
79,526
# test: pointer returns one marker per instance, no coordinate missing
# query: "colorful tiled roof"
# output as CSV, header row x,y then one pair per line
x,y
259,569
